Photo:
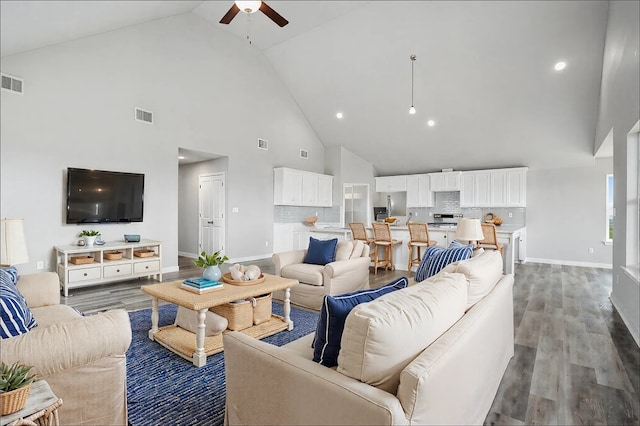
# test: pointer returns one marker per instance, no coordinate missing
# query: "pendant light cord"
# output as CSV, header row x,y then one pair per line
x,y
413,58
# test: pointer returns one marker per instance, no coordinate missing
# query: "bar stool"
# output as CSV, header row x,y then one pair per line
x,y
382,238
418,238
359,232
490,241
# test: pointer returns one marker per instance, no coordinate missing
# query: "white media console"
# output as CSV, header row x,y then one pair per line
x,y
113,261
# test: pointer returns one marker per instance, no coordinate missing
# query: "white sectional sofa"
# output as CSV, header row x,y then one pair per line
x,y
433,353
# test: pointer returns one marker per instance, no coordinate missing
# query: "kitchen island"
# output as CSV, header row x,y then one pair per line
x,y
511,235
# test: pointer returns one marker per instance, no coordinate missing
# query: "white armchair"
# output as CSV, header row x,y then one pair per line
x,y
349,272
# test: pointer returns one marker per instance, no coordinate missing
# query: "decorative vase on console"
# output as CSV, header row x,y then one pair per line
x,y
211,263
89,237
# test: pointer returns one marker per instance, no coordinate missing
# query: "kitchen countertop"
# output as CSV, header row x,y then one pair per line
x,y
502,229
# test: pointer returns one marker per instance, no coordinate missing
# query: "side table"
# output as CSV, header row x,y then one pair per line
x,y
40,409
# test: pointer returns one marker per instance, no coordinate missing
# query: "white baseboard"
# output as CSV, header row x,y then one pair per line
x,y
570,263
170,269
635,333
190,255
250,258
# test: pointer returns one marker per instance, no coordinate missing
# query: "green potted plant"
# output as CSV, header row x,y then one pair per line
x,y
15,384
89,236
211,264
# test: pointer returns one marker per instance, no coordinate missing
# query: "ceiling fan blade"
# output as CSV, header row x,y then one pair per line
x,y
273,15
230,14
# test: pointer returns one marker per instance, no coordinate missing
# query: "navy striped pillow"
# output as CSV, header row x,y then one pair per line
x,y
15,316
436,258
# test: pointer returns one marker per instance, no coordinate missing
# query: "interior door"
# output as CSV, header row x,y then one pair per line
x,y
211,212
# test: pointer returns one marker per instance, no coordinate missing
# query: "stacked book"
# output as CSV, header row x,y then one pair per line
x,y
200,285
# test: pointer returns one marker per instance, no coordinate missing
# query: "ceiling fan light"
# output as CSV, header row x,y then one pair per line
x,y
248,6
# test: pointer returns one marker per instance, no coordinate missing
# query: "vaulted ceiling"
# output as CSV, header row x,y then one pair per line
x,y
484,71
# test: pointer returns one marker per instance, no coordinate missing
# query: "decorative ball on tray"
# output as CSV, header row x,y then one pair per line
x,y
244,273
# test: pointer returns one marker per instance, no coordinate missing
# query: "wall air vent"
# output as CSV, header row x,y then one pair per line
x,y
142,115
12,84
304,154
263,144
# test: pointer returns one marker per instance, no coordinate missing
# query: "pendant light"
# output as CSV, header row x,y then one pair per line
x,y
412,110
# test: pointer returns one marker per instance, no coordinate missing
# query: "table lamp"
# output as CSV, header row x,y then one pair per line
x,y
13,247
469,229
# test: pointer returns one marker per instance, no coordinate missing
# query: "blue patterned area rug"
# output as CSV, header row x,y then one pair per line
x,y
165,389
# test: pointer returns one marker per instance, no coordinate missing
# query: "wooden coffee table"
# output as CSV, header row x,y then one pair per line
x,y
196,347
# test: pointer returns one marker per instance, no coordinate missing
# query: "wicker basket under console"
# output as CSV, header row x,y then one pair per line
x,y
144,253
81,260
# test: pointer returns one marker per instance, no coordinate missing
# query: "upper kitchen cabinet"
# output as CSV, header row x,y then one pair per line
x,y
293,187
517,187
475,189
494,188
445,181
391,183
418,191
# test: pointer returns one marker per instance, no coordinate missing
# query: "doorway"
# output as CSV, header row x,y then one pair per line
x,y
211,208
355,205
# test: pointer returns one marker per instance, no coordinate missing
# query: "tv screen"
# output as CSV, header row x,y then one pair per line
x,y
97,196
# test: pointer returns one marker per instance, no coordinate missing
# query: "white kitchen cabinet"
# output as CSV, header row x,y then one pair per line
x,y
516,191
325,190
391,183
509,188
498,189
467,189
440,237
445,181
418,191
309,189
293,187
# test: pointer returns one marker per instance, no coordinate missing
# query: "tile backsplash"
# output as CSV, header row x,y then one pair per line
x,y
295,214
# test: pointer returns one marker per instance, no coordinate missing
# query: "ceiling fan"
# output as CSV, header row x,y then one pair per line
x,y
251,7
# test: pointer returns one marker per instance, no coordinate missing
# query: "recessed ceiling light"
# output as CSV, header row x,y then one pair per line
x,y
431,123
560,66
339,115
180,157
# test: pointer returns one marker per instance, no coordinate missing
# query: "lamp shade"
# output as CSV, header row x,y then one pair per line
x,y
469,229
13,248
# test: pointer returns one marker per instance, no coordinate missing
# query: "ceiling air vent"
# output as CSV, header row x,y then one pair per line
x,y
304,154
142,115
263,144
11,84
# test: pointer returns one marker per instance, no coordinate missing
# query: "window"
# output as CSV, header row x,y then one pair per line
x,y
609,228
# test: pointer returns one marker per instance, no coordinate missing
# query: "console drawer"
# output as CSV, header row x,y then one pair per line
x,y
84,274
151,267
117,270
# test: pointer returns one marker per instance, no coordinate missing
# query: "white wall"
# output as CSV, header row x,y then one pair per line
x,y
209,91
566,215
620,110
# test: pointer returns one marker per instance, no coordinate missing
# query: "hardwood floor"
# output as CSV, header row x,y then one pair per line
x,y
575,362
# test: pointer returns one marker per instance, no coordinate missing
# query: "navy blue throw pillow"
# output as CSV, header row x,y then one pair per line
x,y
321,252
436,258
333,314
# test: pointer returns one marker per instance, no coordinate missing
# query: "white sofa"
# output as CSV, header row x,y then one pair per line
x,y
452,380
349,272
82,358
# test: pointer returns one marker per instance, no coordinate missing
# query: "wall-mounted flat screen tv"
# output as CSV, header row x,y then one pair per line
x,y
98,196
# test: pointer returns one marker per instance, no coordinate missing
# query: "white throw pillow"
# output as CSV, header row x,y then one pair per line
x,y
382,337
188,320
343,250
358,246
482,273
